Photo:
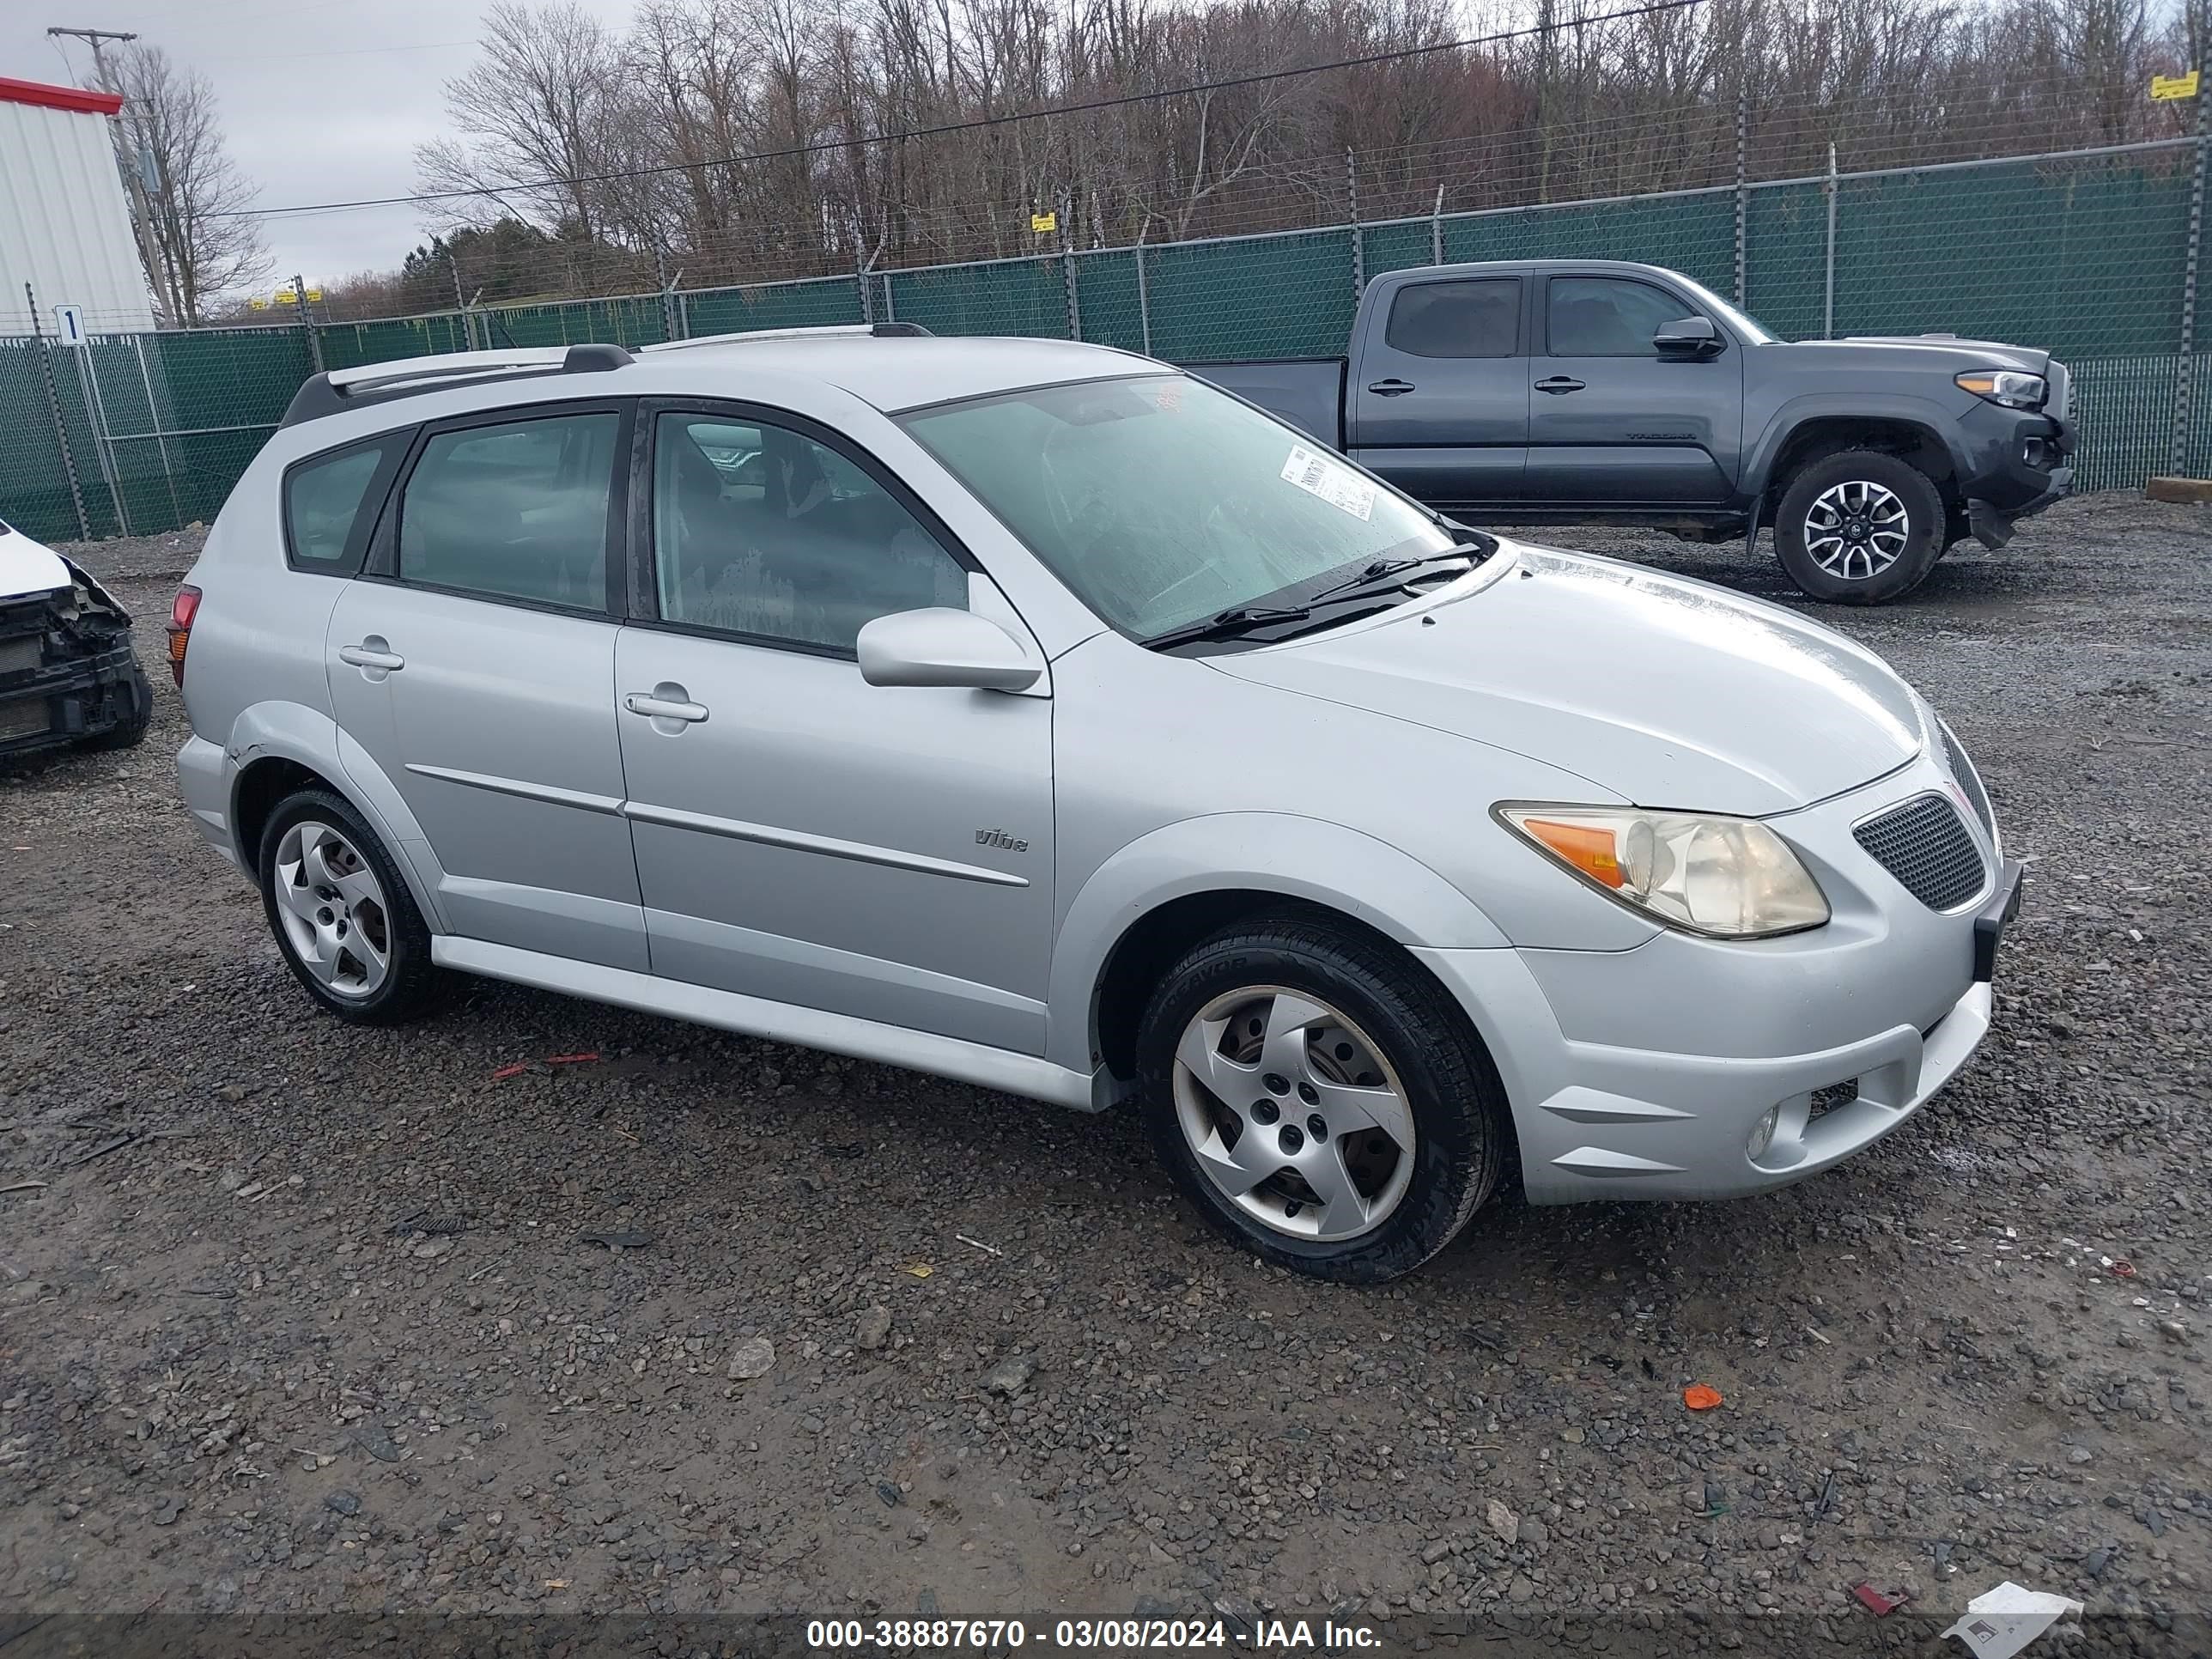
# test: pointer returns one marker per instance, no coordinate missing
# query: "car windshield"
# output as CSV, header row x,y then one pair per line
x,y
1160,500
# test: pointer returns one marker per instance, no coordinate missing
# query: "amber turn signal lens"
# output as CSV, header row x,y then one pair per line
x,y
1592,851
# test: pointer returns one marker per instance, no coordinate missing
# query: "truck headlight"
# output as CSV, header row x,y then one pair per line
x,y
2005,386
1699,873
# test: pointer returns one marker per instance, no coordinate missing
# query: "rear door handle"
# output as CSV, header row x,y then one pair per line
x,y
1557,384
1391,388
657,705
371,653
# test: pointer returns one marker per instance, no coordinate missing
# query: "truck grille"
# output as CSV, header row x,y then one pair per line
x,y
1928,847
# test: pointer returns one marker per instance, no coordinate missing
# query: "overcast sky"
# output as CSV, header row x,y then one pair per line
x,y
322,100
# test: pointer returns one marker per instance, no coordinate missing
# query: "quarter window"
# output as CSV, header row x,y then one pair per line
x,y
1457,319
758,530
1607,317
516,511
324,529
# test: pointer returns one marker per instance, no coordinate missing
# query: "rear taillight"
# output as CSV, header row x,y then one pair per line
x,y
180,629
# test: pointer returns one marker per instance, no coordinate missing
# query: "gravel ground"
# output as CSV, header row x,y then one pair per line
x,y
297,1318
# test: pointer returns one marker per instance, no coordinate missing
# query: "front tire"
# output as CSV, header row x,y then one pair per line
x,y
1321,1101
131,731
343,919
1859,528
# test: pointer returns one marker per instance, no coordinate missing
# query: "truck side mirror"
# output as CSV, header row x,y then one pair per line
x,y
1691,337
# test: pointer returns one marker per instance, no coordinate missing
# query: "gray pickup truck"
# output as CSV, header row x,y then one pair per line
x,y
1598,391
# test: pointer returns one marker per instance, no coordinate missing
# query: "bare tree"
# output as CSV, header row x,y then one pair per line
x,y
203,245
746,141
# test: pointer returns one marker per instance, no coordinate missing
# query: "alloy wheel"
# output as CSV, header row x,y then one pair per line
x,y
1856,529
1293,1114
332,908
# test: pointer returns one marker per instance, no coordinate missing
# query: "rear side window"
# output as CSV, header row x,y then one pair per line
x,y
1480,318
516,511
326,527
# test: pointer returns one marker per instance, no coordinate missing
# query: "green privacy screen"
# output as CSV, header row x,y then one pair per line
x,y
2087,254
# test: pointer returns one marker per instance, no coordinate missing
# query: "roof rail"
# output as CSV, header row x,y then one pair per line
x,y
339,389
824,331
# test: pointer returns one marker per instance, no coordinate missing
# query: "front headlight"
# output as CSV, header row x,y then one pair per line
x,y
1700,873
2005,385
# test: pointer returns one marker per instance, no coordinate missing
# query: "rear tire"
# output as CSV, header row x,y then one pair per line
x,y
343,917
1859,527
1342,1090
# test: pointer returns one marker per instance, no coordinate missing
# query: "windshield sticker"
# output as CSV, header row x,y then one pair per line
x,y
1337,485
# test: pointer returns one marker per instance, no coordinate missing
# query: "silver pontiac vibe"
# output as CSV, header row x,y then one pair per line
x,y
1035,715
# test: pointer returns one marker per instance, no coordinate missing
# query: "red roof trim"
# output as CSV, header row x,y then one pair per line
x,y
70,98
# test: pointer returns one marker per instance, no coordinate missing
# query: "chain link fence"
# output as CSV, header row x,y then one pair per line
x,y
2090,252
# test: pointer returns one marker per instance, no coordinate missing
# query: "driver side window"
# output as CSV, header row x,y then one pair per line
x,y
1607,317
758,530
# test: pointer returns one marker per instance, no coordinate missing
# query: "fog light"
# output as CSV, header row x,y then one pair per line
x,y
1762,1132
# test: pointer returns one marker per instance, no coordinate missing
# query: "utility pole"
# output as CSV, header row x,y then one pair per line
x,y
126,162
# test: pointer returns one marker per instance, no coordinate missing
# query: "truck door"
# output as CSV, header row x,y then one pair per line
x,y
1438,396
1610,422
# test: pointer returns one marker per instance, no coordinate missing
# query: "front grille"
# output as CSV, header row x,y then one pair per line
x,y
23,717
1928,847
22,653
1970,781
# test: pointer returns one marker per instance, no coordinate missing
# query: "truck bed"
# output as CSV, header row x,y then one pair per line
x,y
1307,392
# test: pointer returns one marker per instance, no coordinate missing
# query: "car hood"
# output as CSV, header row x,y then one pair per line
x,y
1957,354
28,567
1667,692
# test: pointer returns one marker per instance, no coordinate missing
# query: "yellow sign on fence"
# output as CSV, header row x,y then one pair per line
x,y
2163,87
1044,223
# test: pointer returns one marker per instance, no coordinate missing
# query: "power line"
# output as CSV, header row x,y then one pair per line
x,y
335,52
977,123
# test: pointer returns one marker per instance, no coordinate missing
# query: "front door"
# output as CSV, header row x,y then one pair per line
x,y
1439,404
475,666
801,835
1611,422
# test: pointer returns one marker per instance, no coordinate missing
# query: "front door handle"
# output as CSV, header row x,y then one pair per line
x,y
1390,388
665,701
372,654
1557,384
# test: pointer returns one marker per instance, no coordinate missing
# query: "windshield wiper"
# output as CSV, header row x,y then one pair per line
x,y
1228,624
1384,570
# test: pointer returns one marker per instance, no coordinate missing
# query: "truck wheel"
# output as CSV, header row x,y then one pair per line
x,y
1859,528
1324,1105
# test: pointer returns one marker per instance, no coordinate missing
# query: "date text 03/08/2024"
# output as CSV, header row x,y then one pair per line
x,y
996,1636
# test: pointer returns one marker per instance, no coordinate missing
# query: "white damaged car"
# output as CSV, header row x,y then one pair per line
x,y
67,675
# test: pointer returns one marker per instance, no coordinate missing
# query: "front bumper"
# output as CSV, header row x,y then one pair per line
x,y
2018,463
1647,1073
71,697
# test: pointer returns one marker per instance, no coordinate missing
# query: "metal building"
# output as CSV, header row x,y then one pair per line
x,y
64,221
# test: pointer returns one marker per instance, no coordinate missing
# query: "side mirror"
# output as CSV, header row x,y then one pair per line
x,y
943,646
1692,337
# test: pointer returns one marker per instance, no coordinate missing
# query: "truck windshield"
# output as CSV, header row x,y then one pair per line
x,y
1754,331
1159,500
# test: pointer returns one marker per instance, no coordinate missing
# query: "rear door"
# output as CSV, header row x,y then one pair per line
x,y
1438,396
472,662
1612,423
